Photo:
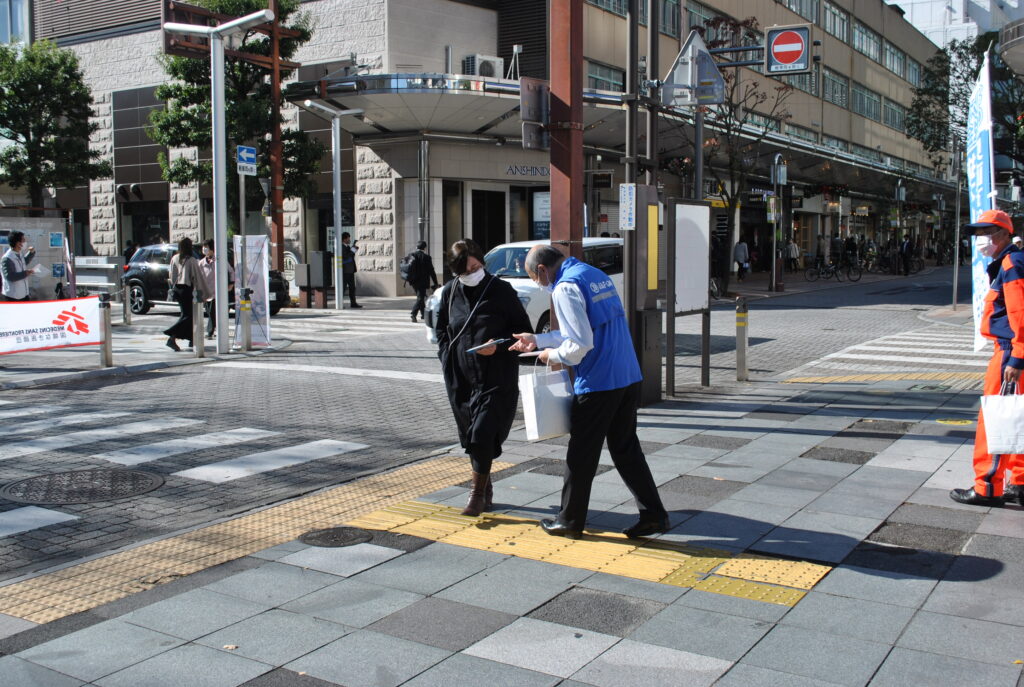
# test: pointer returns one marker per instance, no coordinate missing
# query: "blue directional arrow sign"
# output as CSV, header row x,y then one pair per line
x,y
246,158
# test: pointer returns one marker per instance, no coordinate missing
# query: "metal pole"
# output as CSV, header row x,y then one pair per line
x,y
670,297
775,221
705,347
566,68
632,110
339,300
698,193
242,309
245,317
220,199
424,184
956,223
126,306
198,342
742,374
107,347
653,33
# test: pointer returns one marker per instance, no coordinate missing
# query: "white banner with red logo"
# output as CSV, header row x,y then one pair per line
x,y
41,325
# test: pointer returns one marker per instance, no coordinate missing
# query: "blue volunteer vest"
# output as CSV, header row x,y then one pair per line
x,y
611,363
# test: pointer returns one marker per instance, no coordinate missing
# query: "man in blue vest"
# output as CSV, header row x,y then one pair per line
x,y
593,338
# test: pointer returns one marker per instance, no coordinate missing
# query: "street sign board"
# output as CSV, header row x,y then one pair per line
x,y
788,49
627,207
534,97
535,136
246,158
694,78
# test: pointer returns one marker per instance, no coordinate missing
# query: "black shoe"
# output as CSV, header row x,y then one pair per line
x,y
172,344
1014,492
413,318
645,528
972,498
356,306
558,529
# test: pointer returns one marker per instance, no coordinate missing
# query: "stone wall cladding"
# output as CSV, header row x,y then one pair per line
x,y
102,205
341,27
183,209
375,217
122,63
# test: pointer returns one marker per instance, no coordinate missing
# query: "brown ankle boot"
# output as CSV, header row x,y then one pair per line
x,y
489,495
477,495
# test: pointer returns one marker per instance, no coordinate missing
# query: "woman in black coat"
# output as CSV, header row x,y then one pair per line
x,y
483,387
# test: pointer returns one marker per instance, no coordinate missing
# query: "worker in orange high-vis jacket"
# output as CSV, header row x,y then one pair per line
x,y
1003,323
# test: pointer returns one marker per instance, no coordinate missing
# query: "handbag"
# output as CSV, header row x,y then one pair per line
x,y
547,400
1004,421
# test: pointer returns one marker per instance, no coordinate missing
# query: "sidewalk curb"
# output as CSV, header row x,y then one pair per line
x,y
133,369
761,295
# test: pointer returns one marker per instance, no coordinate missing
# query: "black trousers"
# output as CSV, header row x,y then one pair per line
x,y
182,329
594,417
421,300
210,313
348,281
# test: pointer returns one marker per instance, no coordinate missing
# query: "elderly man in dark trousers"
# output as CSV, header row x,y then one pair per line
x,y
593,337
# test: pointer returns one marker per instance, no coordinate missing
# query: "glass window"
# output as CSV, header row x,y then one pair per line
x,y
670,17
835,87
835,21
808,9
895,59
865,152
507,262
616,6
867,41
608,259
836,143
14,21
762,122
605,78
913,72
866,102
696,15
895,115
802,133
808,83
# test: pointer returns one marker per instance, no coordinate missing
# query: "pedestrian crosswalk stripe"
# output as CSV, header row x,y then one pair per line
x,y
30,410
171,447
930,349
39,426
256,463
90,436
909,359
28,518
326,369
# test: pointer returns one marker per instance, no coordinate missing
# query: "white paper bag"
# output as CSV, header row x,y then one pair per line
x,y
1004,423
547,398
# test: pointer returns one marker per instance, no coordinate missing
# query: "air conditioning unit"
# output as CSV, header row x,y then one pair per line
x,y
483,65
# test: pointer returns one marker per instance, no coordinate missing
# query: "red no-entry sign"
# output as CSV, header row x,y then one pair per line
x,y
788,49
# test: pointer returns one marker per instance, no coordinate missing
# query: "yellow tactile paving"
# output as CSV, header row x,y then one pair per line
x,y
748,576
87,585
890,377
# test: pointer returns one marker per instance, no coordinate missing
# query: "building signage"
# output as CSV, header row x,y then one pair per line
x,y
980,187
42,325
541,215
787,49
627,207
514,170
246,158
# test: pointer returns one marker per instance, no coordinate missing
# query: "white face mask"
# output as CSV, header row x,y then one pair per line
x,y
985,246
206,251
473,278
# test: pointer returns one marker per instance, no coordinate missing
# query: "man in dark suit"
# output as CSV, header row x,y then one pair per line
x,y
348,267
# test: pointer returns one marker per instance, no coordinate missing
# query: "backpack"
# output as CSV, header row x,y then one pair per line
x,y
409,267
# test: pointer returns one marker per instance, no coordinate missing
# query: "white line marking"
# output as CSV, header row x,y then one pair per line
x,y
63,421
323,369
171,447
30,410
901,359
30,518
91,436
930,349
254,464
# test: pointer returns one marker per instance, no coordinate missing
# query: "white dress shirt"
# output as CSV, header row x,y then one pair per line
x,y
574,338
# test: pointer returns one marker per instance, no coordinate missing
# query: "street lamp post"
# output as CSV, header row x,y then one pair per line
x,y
335,116
778,179
216,35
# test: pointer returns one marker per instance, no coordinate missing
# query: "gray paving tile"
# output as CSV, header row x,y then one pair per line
x,y
192,665
880,478
933,516
714,529
431,569
461,669
641,589
1002,522
718,439
1006,549
798,479
926,496
9,625
746,675
727,637
905,667
17,672
864,505
930,564
273,584
344,561
445,624
275,552
976,640
978,600
194,614
366,658
877,585
818,655
853,526
687,452
598,611
275,637
779,496
281,677
838,455
751,510
729,471
352,602
632,664
705,486
514,586
838,615
920,537
100,650
546,647
530,481
731,605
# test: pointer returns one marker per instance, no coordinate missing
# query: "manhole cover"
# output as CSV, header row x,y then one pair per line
x,y
336,536
81,486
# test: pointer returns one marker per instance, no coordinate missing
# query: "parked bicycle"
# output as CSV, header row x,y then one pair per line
x,y
714,289
823,271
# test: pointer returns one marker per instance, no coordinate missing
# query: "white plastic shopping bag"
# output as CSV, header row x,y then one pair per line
x,y
547,398
1004,423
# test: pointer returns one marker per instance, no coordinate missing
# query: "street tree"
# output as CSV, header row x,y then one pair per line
x,y
45,107
185,120
938,112
735,131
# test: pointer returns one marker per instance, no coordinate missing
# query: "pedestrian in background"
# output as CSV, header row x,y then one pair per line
x,y
793,256
483,387
906,252
348,268
14,267
421,276
1003,323
593,337
741,255
208,285
184,280
129,250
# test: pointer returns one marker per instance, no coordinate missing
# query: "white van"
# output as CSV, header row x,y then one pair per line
x,y
508,261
